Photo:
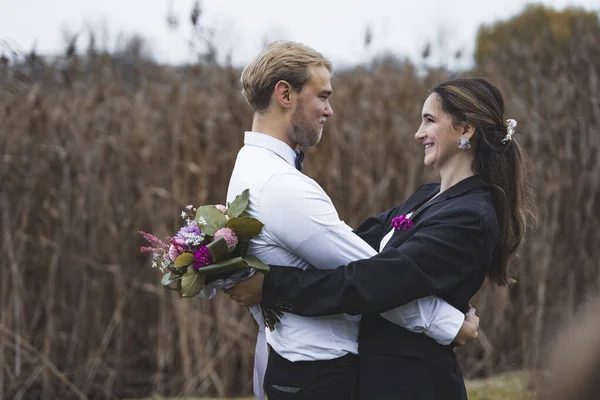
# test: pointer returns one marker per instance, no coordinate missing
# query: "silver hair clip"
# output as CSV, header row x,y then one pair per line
x,y
510,128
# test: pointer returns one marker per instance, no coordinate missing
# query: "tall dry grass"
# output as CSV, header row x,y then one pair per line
x,y
94,149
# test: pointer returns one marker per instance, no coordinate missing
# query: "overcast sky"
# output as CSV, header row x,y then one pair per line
x,y
334,27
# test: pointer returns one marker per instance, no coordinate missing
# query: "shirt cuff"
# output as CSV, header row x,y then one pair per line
x,y
445,324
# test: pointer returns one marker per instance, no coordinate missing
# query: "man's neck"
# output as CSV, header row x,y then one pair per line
x,y
272,127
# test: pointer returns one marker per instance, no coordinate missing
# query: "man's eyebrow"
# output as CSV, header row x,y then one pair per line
x,y
326,91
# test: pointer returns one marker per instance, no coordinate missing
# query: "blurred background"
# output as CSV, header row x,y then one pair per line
x,y
115,115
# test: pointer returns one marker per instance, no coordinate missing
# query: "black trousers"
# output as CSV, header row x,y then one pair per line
x,y
335,379
402,377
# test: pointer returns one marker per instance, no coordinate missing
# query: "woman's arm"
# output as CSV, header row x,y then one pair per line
x,y
313,231
372,229
438,257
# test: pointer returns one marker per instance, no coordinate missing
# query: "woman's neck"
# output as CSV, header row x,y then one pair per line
x,y
455,171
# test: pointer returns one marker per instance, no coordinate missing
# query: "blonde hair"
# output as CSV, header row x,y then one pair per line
x,y
281,60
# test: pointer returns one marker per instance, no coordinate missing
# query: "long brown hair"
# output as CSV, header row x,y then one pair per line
x,y
500,163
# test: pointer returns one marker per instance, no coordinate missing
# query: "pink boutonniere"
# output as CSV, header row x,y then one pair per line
x,y
402,223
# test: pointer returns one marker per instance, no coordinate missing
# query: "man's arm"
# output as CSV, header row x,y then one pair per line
x,y
431,316
305,222
435,259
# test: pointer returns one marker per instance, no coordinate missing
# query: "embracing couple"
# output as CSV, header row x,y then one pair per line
x,y
372,313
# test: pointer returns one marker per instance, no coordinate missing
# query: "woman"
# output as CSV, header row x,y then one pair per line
x,y
443,240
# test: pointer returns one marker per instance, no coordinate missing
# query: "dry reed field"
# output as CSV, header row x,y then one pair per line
x,y
96,147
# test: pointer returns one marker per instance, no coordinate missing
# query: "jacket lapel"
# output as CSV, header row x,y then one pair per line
x,y
415,200
462,187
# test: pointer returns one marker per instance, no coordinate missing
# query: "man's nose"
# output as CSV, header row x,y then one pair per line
x,y
329,111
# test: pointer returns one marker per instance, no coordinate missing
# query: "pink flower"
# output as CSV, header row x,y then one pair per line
x,y
222,208
174,252
155,242
229,236
202,257
402,223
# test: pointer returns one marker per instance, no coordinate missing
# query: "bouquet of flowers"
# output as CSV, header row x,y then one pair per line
x,y
209,252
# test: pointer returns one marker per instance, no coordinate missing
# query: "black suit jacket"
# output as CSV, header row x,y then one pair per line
x,y
446,253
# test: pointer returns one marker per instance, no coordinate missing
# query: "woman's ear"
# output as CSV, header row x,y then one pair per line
x,y
468,131
283,94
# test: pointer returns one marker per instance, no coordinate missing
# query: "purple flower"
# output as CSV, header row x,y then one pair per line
x,y
402,223
202,257
229,235
189,236
190,228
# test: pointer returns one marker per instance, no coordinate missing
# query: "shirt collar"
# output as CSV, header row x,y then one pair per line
x,y
278,147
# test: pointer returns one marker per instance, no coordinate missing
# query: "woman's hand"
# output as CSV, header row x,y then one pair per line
x,y
249,292
468,330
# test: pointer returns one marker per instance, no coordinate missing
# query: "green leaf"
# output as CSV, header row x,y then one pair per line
x,y
245,227
192,283
213,219
177,270
239,204
167,280
184,260
218,250
254,262
233,264
242,248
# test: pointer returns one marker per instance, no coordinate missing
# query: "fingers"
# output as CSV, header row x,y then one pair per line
x,y
473,321
233,291
239,301
471,316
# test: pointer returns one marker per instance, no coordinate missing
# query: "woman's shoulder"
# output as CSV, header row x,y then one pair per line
x,y
476,205
480,201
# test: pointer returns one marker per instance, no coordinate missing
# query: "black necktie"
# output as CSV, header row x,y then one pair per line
x,y
299,159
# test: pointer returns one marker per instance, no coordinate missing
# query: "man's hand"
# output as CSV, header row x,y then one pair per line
x,y
468,330
248,292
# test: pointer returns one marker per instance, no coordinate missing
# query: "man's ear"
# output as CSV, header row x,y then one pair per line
x,y
283,94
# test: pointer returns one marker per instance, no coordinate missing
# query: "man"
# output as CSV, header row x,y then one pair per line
x,y
288,86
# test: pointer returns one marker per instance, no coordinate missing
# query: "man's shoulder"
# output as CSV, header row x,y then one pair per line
x,y
260,160
271,177
292,183
258,165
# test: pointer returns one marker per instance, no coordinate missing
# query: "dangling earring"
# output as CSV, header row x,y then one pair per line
x,y
463,143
